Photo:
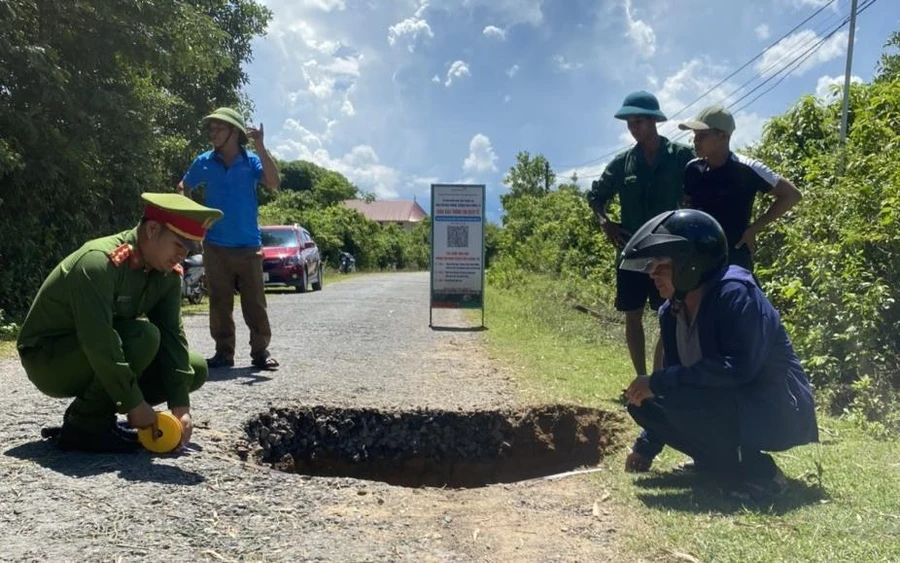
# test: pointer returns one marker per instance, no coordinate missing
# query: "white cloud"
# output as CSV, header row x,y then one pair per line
x,y
694,78
512,71
586,174
782,53
640,33
481,155
325,5
319,84
563,65
348,109
748,129
810,3
762,31
495,32
824,90
507,98
457,70
360,165
414,27
436,79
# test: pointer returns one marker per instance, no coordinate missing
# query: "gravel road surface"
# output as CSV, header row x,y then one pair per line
x,y
361,342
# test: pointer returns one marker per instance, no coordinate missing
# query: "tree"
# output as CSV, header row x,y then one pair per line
x,y
889,64
529,177
99,101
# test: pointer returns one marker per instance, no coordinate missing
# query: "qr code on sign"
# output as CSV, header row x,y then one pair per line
x,y
458,237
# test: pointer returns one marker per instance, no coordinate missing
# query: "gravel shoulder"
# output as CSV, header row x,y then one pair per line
x,y
363,342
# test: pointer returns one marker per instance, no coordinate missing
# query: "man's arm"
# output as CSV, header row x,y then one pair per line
x,y
173,355
270,171
91,288
786,196
271,177
173,348
179,189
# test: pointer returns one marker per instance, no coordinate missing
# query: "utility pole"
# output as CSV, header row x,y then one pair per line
x,y
846,105
546,176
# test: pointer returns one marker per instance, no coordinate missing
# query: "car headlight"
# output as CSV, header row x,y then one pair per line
x,y
292,260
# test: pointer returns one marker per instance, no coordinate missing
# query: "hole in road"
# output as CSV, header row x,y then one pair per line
x,y
431,447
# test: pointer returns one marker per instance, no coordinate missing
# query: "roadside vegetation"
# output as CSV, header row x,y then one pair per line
x,y
831,268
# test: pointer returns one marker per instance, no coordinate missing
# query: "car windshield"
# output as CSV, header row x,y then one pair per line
x,y
279,237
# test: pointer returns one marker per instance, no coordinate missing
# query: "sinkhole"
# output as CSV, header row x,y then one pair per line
x,y
430,448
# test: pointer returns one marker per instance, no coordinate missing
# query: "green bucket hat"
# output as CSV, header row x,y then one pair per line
x,y
228,115
640,104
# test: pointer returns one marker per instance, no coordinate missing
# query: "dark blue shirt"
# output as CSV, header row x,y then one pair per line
x,y
744,348
231,189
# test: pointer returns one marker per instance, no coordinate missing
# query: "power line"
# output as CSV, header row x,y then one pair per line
x,y
784,72
713,88
862,9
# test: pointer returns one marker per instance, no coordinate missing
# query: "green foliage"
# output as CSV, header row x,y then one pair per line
x,y
100,101
529,177
8,329
553,233
889,64
831,266
831,269
311,196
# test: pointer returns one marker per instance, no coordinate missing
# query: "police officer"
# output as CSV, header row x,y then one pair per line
x,y
731,386
86,337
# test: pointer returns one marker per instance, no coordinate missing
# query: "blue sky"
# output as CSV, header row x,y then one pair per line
x,y
398,95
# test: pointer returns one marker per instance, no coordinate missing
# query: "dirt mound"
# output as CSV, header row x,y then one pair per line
x,y
426,447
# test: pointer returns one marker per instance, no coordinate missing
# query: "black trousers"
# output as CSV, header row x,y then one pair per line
x,y
703,424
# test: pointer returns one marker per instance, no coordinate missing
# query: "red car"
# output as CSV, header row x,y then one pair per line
x,y
290,258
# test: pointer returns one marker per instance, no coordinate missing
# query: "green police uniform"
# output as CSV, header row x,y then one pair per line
x,y
107,330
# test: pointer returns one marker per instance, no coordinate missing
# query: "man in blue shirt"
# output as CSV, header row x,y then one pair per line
x,y
731,386
229,175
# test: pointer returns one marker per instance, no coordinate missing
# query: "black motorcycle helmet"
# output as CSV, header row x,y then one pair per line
x,y
692,239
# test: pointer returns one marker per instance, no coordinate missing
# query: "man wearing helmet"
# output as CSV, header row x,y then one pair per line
x,y
731,385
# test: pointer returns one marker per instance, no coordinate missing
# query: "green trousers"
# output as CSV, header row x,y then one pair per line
x,y
61,369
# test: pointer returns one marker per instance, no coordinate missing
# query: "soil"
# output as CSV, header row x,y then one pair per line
x,y
360,347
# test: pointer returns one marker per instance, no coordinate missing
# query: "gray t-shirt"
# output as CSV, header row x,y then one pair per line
x,y
687,337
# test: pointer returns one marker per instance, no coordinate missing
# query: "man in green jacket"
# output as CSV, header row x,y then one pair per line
x,y
106,328
648,179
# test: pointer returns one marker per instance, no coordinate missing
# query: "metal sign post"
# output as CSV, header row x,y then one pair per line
x,y
457,247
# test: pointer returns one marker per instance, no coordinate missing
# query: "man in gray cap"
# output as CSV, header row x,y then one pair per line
x,y
724,184
648,180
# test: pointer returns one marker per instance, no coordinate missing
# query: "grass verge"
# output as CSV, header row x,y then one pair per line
x,y
842,502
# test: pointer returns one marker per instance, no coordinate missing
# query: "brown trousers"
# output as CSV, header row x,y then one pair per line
x,y
225,267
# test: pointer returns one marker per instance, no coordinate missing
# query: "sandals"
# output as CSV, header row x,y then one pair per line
x,y
268,363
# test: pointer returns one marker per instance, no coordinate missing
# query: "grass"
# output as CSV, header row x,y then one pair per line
x,y
842,504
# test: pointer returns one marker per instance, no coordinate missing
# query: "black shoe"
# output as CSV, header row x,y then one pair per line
x,y
761,491
108,440
218,361
126,432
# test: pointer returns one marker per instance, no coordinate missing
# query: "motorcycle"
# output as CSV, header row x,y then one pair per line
x,y
348,263
193,284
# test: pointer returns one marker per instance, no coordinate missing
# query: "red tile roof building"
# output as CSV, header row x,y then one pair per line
x,y
404,213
